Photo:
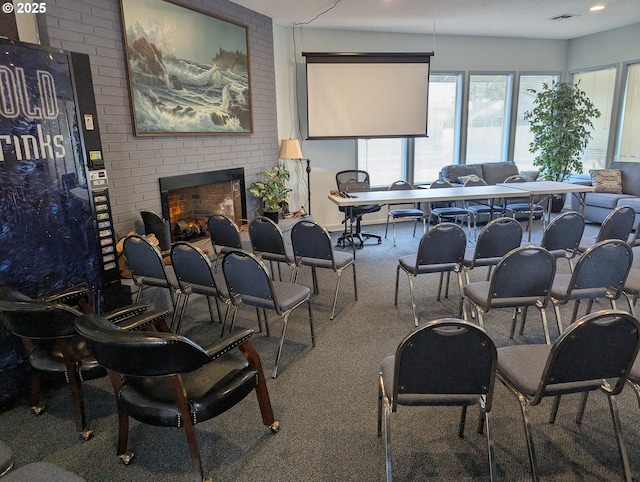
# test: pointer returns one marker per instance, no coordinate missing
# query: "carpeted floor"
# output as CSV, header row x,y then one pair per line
x,y
326,401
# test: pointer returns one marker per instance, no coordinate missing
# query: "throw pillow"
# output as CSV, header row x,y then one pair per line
x,y
470,177
530,176
607,180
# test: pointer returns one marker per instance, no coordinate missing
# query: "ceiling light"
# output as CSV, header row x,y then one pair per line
x,y
597,8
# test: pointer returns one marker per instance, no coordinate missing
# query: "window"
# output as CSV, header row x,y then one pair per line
x,y
523,136
439,149
487,125
599,85
383,159
629,140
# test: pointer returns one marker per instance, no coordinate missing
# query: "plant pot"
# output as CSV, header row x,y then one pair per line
x,y
273,215
557,202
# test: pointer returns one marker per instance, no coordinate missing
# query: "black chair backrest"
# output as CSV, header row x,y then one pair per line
x,y
154,224
618,224
139,353
266,237
522,273
38,320
191,265
498,237
564,232
402,186
223,232
601,345
446,356
353,180
248,277
605,264
443,243
310,240
143,258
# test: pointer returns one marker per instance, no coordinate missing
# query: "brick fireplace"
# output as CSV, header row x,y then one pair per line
x,y
189,199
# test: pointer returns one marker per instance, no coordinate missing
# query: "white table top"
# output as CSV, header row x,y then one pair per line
x,y
548,187
426,195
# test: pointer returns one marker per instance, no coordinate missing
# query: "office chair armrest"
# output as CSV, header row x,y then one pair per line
x,y
69,296
227,343
144,319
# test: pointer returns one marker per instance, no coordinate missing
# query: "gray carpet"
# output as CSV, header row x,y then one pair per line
x,y
326,401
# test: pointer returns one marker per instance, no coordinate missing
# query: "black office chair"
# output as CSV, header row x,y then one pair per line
x,y
167,380
354,181
447,362
595,353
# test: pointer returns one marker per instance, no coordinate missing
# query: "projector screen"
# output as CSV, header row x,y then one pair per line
x,y
354,95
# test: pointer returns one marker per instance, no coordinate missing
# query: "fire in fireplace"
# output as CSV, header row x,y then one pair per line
x,y
189,199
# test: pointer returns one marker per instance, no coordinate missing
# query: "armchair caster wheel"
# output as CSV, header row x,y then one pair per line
x,y
38,409
126,458
86,434
275,427
379,241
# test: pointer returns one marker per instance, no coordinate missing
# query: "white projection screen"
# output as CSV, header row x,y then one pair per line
x,y
354,95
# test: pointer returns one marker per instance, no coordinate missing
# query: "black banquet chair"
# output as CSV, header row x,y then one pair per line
x,y
148,269
312,248
267,242
403,211
158,226
354,181
441,250
46,327
195,275
167,380
521,279
562,236
447,362
224,235
249,283
596,353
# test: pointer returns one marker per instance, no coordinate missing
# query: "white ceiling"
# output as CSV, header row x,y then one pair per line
x,y
495,18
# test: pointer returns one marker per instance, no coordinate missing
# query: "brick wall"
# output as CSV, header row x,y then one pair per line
x,y
134,164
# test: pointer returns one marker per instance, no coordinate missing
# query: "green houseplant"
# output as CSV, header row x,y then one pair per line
x,y
561,125
272,191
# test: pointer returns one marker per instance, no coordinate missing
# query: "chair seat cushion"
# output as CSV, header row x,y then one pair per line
x,y
341,259
289,295
406,213
408,263
523,365
47,357
561,285
478,292
442,399
211,390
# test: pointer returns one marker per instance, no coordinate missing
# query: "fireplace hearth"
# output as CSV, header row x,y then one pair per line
x,y
189,199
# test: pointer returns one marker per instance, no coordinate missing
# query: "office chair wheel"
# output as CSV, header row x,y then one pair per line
x,y
86,434
38,409
126,458
379,241
275,427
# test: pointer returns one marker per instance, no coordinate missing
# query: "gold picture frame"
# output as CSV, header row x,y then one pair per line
x,y
188,70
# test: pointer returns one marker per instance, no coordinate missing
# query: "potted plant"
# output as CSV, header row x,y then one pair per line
x,y
561,125
272,191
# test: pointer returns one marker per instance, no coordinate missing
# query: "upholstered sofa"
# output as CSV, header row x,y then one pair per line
x,y
491,172
599,204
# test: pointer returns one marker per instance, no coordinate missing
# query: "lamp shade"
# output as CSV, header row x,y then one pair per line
x,y
290,149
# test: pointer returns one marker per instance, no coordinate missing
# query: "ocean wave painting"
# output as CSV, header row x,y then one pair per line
x,y
188,70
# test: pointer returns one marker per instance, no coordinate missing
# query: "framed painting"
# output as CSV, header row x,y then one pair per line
x,y
188,70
